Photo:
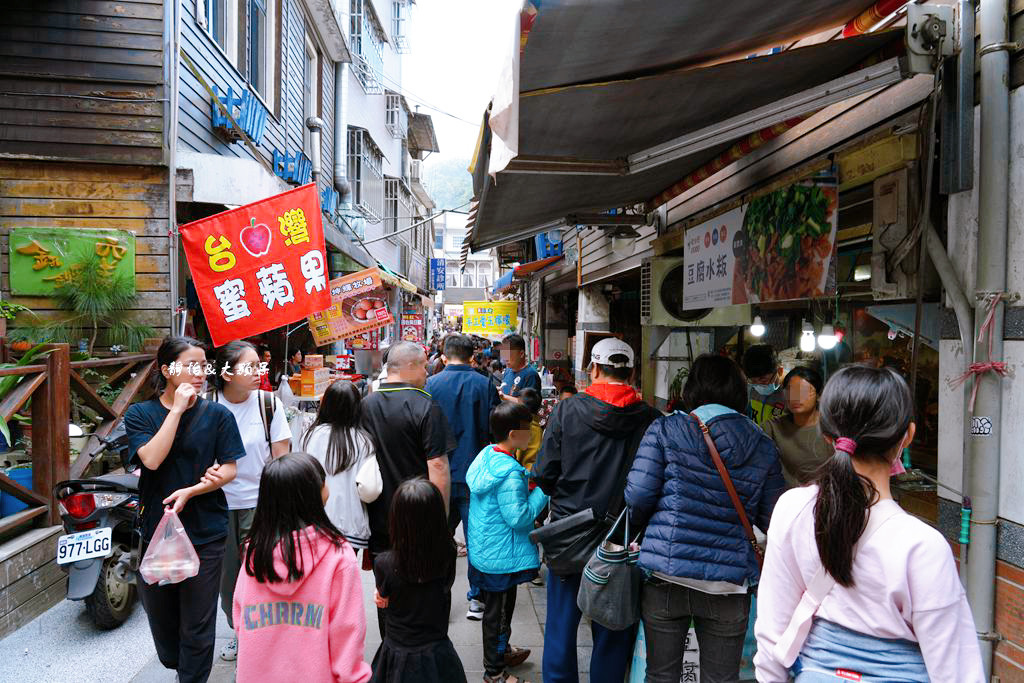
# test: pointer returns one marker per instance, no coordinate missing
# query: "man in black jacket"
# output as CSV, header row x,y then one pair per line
x,y
589,442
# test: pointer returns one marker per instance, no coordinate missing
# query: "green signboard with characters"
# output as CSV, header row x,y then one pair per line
x,y
42,260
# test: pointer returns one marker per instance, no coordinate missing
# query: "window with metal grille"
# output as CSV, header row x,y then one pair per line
x,y
397,117
365,163
397,207
399,22
367,37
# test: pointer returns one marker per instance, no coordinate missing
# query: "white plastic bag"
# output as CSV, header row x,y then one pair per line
x,y
170,557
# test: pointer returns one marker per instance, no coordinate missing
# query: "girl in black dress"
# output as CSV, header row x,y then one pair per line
x,y
414,591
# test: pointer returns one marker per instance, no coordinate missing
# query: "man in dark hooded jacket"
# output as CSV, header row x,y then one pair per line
x,y
590,440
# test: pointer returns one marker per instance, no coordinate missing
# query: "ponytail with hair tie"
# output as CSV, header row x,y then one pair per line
x,y
846,445
875,404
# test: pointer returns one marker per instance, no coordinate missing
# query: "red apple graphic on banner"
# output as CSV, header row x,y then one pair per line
x,y
256,238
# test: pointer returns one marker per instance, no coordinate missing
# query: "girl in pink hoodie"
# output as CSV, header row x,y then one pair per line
x,y
298,606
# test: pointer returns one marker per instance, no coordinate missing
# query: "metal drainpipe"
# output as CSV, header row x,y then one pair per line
x,y
315,125
174,38
341,132
985,452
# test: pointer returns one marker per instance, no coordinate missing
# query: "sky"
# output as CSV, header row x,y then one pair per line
x,y
456,58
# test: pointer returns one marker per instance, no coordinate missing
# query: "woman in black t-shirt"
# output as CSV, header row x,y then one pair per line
x,y
414,591
187,447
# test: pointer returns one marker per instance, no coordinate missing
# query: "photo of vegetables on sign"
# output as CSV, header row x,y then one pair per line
x,y
788,239
778,247
259,266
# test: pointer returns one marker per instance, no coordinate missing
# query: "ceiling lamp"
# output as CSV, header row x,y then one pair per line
x,y
827,340
757,327
807,338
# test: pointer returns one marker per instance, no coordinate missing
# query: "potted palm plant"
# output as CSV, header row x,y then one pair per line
x,y
98,306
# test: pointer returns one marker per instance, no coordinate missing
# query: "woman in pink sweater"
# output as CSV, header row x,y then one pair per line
x,y
298,604
853,588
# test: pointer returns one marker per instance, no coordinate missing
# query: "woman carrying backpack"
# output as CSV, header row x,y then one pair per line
x,y
263,426
851,582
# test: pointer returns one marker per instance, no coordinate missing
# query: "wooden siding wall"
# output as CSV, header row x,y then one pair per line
x,y
195,128
82,80
284,127
64,195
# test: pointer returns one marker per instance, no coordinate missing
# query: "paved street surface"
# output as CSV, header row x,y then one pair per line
x,y
62,644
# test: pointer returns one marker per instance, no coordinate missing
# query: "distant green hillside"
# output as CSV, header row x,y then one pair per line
x,y
448,181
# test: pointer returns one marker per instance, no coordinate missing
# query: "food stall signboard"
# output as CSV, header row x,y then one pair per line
x,y
492,319
358,304
412,327
260,266
779,247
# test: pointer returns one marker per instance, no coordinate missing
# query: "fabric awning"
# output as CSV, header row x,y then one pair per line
x,y
592,97
394,279
522,271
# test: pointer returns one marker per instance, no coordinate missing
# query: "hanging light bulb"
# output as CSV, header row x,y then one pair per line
x,y
828,339
807,338
757,327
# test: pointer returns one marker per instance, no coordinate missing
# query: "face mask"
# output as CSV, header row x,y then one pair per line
x,y
765,389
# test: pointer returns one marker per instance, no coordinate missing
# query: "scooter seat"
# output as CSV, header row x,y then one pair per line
x,y
129,481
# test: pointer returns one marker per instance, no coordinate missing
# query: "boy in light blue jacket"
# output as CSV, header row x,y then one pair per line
x,y
501,514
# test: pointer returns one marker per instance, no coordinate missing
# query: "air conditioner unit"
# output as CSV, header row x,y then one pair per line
x,y
661,299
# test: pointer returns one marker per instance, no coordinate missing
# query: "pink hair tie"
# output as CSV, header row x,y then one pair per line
x,y
848,446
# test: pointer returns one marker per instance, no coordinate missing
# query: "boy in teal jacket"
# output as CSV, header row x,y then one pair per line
x,y
501,514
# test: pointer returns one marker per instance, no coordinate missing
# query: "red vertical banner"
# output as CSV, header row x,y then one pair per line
x,y
259,266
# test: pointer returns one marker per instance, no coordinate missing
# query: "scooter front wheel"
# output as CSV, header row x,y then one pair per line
x,y
113,600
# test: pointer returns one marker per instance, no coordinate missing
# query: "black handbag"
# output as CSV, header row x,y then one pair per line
x,y
568,549
570,542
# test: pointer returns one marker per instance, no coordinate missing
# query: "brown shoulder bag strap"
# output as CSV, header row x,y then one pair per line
x,y
730,489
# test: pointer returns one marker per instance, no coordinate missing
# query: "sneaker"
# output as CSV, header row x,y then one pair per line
x,y
537,580
476,610
230,651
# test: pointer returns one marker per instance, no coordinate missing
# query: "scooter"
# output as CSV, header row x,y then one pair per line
x,y
100,551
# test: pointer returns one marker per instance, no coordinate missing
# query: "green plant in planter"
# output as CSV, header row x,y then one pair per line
x,y
9,310
8,383
94,300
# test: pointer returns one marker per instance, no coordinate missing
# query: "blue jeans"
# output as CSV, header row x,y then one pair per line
x,y
458,511
612,652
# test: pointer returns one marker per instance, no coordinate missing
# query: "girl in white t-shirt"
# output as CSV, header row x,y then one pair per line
x,y
263,425
348,456
853,587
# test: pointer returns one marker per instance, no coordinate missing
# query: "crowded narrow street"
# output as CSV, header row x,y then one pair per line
x,y
62,644
511,341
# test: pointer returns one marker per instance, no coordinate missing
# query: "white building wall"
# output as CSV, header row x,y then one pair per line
x,y
963,231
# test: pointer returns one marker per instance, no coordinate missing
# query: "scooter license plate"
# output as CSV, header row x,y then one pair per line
x,y
84,545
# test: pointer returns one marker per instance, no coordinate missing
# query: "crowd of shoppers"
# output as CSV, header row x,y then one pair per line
x,y
850,583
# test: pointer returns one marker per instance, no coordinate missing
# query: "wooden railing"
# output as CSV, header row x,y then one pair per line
x,y
50,384
111,413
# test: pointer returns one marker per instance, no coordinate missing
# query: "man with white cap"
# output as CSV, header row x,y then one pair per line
x,y
588,447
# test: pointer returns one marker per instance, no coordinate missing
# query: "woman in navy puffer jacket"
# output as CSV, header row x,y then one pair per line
x,y
695,551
